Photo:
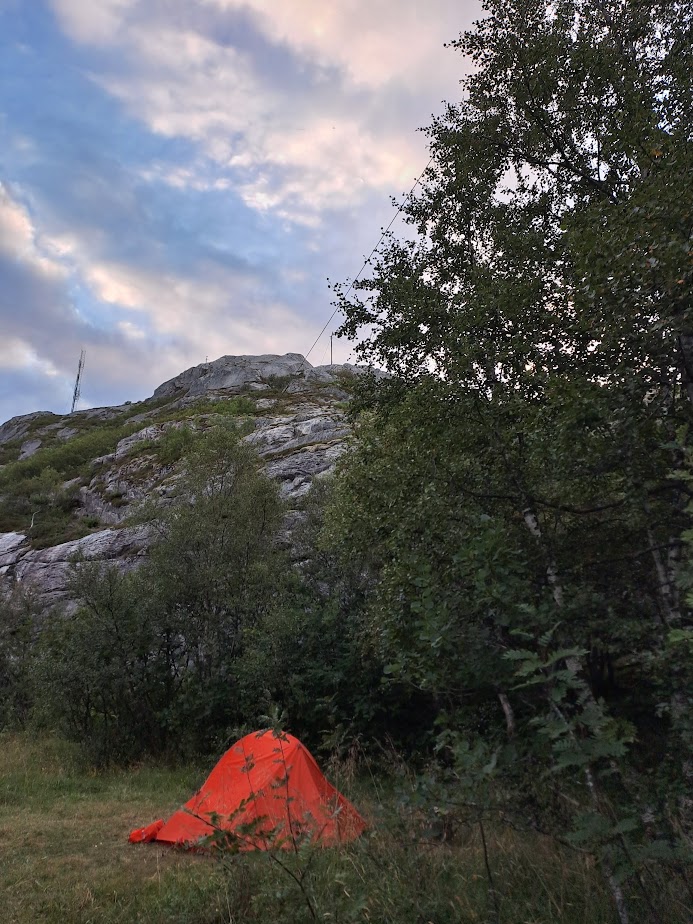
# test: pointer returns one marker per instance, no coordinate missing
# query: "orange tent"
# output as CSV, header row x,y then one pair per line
x,y
266,791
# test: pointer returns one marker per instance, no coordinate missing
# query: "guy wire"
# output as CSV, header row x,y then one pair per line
x,y
368,258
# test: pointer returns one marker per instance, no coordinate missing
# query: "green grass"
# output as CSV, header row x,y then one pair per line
x,y
66,859
235,406
65,852
68,459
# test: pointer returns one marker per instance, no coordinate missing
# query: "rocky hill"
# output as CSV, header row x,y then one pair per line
x,y
71,485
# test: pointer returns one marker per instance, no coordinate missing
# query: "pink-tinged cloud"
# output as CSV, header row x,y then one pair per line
x,y
293,149
182,175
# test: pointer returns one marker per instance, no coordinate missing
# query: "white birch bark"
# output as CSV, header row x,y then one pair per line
x,y
666,580
509,714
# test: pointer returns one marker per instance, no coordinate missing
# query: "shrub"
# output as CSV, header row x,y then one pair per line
x,y
174,444
153,657
18,626
30,488
9,451
281,382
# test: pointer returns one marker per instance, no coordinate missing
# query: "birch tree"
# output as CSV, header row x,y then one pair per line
x,y
522,488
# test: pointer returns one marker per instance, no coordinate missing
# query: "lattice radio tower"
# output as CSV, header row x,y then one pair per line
x,y
78,381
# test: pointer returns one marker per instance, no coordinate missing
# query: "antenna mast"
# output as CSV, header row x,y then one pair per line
x,y
78,381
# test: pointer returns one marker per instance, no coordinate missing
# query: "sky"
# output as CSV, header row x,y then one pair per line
x,y
179,178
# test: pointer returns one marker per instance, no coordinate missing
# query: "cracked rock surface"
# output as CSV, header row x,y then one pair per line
x,y
298,427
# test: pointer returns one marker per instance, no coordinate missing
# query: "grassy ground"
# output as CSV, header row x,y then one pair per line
x,y
64,842
65,858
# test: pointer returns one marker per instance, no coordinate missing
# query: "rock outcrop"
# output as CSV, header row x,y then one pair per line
x,y
234,374
299,429
47,571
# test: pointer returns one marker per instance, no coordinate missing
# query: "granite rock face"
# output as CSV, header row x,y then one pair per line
x,y
13,547
247,374
17,427
296,448
47,571
234,374
299,429
29,448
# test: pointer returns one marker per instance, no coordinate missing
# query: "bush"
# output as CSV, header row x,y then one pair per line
x,y
99,671
152,658
9,451
174,444
18,628
30,489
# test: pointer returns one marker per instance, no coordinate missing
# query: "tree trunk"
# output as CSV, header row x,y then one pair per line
x,y
574,665
666,579
509,714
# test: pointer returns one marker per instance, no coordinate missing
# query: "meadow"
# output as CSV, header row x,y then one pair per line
x,y
66,857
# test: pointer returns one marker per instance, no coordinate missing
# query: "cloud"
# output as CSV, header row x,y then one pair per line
x,y
219,312
169,317
17,354
317,108
371,41
42,327
97,22
18,239
180,177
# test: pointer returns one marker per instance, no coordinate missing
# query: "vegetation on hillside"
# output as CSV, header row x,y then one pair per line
x,y
39,495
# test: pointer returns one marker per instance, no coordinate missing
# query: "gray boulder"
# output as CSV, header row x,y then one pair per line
x,y
234,374
13,546
29,448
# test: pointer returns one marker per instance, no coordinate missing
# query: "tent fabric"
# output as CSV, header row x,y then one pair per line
x,y
146,834
266,791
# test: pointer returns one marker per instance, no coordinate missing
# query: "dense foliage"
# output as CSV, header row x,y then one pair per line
x,y
521,485
149,661
216,630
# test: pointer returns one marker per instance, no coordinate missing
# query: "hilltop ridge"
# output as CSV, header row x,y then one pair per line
x,y
72,484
